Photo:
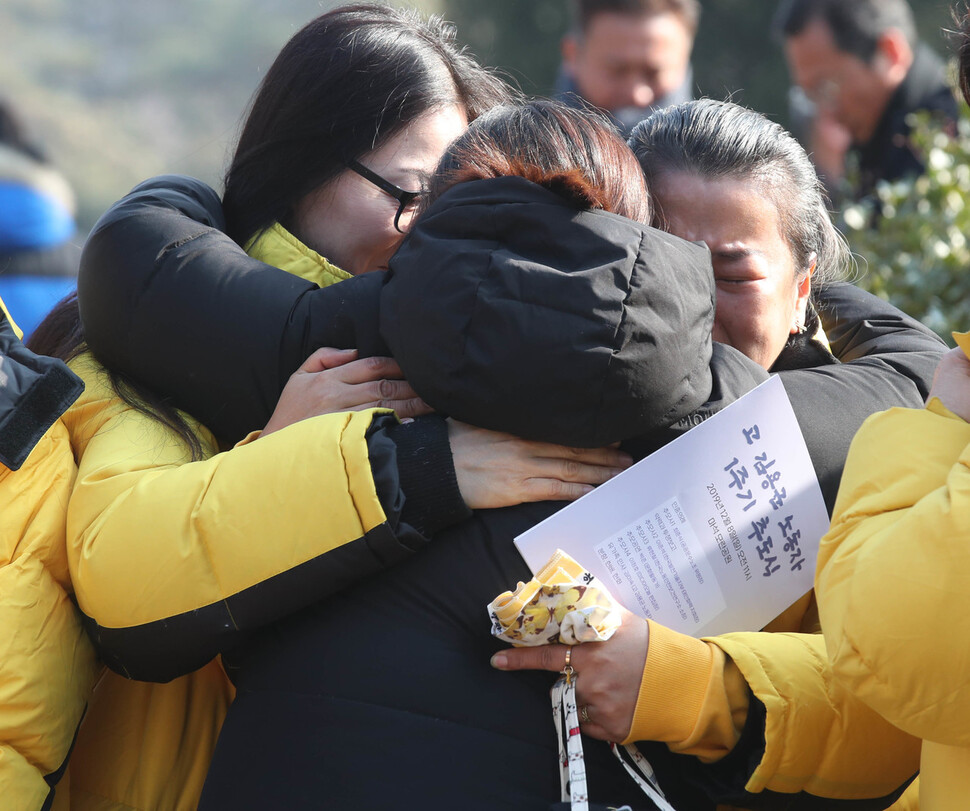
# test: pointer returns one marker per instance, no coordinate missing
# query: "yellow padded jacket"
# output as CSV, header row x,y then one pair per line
x,y
817,736
173,559
47,664
893,585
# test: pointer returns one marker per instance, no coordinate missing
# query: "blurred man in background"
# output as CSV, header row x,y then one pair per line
x,y
38,253
629,57
860,65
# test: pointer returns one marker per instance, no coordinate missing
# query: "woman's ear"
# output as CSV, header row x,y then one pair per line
x,y
803,289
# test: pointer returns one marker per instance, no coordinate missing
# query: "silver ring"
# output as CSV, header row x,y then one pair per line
x,y
584,714
569,654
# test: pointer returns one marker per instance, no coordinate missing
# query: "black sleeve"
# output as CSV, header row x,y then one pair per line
x,y
886,359
169,300
427,473
34,391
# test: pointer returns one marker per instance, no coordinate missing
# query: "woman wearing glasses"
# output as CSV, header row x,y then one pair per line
x,y
178,551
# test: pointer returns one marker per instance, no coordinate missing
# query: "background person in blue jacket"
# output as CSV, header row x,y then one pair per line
x,y
38,253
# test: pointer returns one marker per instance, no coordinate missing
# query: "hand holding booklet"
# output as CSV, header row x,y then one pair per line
x,y
716,532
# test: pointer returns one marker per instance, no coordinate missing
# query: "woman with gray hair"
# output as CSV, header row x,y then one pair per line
x,y
753,719
727,176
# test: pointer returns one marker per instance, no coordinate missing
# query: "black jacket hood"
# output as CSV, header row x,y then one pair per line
x,y
34,391
511,309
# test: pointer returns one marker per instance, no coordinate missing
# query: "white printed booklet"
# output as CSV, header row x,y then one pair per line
x,y
716,532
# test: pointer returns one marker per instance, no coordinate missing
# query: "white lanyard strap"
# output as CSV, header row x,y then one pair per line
x,y
643,774
573,773
572,776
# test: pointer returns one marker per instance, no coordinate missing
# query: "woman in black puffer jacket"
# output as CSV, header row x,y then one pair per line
x,y
534,304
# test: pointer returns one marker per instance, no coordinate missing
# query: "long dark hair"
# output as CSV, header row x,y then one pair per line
x,y
718,139
576,153
341,87
60,335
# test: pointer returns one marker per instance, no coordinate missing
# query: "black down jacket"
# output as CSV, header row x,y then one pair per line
x,y
511,308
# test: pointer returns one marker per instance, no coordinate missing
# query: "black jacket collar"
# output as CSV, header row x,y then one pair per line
x,y
34,392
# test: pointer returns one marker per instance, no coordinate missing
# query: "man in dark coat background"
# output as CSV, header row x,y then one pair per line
x,y
861,66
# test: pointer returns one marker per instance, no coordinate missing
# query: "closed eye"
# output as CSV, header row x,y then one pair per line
x,y
733,280
735,267
732,257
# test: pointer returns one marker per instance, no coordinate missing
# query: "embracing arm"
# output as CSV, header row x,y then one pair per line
x,y
163,292
171,560
860,325
885,358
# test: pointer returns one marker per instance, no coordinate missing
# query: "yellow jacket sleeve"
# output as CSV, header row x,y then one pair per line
x,y
171,558
893,575
816,737
47,663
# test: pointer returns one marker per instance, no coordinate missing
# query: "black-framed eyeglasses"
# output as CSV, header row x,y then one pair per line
x,y
404,198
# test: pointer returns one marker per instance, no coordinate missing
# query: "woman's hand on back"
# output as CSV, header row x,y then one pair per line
x,y
334,380
499,470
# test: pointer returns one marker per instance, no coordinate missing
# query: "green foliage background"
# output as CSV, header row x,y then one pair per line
x,y
917,255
